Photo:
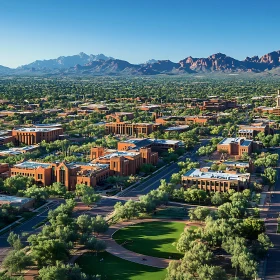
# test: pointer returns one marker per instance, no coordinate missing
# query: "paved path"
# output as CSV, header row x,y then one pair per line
x,y
119,251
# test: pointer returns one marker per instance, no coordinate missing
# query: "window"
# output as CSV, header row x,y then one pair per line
x,y
40,176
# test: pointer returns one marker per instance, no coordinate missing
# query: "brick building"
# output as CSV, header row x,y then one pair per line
x,y
68,174
157,145
124,163
30,135
4,170
130,129
185,120
270,110
216,104
238,146
120,116
251,131
216,181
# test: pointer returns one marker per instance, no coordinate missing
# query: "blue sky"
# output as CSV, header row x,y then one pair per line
x,y
136,30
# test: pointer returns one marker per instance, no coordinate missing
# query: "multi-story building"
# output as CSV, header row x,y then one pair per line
x,y
19,150
183,120
251,131
30,135
149,108
157,145
270,110
236,165
124,163
216,181
95,107
68,174
238,146
120,116
4,170
216,104
130,129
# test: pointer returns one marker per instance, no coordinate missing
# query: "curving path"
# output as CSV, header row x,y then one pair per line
x,y
119,251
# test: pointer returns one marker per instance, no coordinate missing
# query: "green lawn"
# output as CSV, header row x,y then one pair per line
x,y
114,268
171,212
152,238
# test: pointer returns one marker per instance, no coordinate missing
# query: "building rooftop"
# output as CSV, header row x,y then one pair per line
x,y
177,128
47,125
246,142
119,154
236,163
18,150
32,165
14,199
89,164
34,129
197,173
246,130
227,141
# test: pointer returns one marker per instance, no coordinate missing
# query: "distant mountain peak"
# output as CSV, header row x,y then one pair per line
x,y
151,61
100,64
64,62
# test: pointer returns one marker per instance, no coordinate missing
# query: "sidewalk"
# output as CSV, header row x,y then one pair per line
x,y
119,251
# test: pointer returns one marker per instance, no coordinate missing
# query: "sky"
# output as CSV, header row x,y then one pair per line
x,y
136,30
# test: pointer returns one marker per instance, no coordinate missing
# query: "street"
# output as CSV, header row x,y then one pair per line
x,y
105,206
273,261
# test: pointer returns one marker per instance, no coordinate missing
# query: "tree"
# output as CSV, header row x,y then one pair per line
x,y
217,198
85,223
175,178
270,175
47,252
215,167
100,246
39,194
194,258
199,213
16,261
130,209
207,272
57,189
62,272
99,224
4,276
187,239
89,197
14,241
252,227
14,184
91,243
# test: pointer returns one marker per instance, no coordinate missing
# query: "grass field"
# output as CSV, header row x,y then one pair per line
x,y
171,212
152,238
114,268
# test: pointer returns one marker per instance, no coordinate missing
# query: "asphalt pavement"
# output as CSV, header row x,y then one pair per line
x,y
273,261
105,206
25,227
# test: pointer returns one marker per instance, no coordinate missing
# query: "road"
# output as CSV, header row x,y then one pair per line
x,y
273,261
105,206
26,227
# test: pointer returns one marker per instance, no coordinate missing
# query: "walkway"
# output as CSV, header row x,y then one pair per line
x,y
119,251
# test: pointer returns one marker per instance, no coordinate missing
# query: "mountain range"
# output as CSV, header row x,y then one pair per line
x,y
90,65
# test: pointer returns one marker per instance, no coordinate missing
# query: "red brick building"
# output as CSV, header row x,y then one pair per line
x,y
124,163
30,135
68,174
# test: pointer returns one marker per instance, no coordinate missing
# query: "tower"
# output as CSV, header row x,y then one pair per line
x,y
278,100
